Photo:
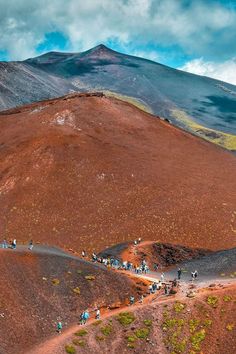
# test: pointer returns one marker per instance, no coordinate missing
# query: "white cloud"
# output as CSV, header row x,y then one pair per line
x,y
225,71
202,27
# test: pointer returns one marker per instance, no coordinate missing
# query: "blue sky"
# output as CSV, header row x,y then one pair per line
x,y
195,35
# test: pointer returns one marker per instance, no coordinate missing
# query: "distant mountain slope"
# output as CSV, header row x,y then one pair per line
x,y
90,172
202,105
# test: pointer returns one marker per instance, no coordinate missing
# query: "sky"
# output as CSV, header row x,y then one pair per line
x,y
198,36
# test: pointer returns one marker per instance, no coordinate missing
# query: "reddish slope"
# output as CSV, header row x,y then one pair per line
x,y
36,289
88,172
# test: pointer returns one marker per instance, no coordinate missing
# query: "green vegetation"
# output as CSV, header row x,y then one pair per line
x,y
197,338
70,349
207,323
76,290
142,333
131,345
106,330
193,324
55,281
227,298
131,339
90,277
99,338
79,271
178,307
81,333
230,327
126,318
148,323
79,342
97,323
212,301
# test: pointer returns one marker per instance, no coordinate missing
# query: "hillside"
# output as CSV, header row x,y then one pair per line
x,y
86,171
201,105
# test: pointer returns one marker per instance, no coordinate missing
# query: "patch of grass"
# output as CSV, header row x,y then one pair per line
x,y
212,301
100,338
81,333
142,333
180,347
70,349
148,323
79,342
230,327
55,281
193,324
227,298
197,338
106,330
97,323
207,323
172,322
90,277
126,318
131,339
76,290
131,345
178,307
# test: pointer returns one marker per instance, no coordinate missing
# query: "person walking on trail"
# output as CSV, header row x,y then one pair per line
x,y
59,327
83,253
131,300
14,244
4,244
195,274
155,267
179,273
97,317
30,245
84,317
141,299
162,277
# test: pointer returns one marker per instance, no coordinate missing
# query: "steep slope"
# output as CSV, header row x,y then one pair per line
x,y
202,105
38,288
89,172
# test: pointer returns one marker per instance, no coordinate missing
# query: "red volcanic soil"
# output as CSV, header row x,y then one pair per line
x,y
37,289
89,172
203,324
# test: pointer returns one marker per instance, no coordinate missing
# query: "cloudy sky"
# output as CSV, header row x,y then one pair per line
x,y
195,35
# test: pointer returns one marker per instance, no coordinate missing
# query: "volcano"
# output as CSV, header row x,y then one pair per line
x,y
88,171
201,105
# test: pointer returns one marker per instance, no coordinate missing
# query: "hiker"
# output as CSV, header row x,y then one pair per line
x,y
30,247
195,274
141,299
150,289
166,289
84,317
162,277
14,244
179,273
139,240
155,267
135,242
97,317
59,327
4,244
131,300
83,254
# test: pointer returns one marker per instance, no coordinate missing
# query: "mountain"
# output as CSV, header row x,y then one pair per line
x,y
90,171
204,106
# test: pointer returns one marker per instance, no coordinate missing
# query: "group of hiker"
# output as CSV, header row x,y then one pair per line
x,y
12,244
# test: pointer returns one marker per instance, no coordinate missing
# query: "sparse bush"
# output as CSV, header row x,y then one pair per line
x,y
207,323
142,333
79,342
90,277
230,327
106,330
131,339
70,349
81,333
148,323
227,298
55,281
193,324
131,345
96,323
126,318
99,338
76,290
212,301
197,338
178,307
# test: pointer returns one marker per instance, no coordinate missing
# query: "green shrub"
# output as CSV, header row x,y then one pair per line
x,y
81,333
76,290
90,277
126,318
207,323
131,345
96,323
55,281
79,342
131,339
106,330
142,333
99,338
193,324
227,298
148,323
230,327
212,301
178,307
197,338
70,349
